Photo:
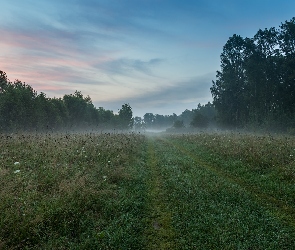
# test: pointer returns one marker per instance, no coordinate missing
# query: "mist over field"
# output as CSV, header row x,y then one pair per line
x,y
115,132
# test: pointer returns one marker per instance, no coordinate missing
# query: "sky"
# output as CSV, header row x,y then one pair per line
x,y
160,56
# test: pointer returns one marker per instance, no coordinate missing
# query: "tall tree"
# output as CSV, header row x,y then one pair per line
x,y
230,85
256,83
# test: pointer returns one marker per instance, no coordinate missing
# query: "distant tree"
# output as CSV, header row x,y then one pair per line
x,y
21,108
200,121
125,117
106,117
16,105
208,110
178,124
149,119
138,123
81,110
187,116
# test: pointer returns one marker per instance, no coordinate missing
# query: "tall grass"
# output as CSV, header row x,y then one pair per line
x,y
131,191
265,161
64,189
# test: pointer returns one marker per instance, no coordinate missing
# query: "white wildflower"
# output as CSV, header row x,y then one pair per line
x,y
104,178
16,171
16,163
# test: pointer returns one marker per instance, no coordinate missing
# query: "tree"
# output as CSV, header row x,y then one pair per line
x,y
230,85
287,85
138,123
200,121
149,119
125,116
81,110
17,106
178,124
256,83
3,81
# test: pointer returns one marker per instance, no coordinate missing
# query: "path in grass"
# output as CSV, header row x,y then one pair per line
x,y
194,205
128,191
278,208
159,233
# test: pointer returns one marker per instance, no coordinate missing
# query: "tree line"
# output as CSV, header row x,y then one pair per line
x,y
202,117
23,109
256,82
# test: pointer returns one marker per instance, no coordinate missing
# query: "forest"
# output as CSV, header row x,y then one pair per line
x,y
254,89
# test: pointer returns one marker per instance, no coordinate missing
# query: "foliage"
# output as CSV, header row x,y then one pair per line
x,y
178,124
22,109
256,83
200,121
70,191
129,191
125,116
104,191
157,121
138,123
229,190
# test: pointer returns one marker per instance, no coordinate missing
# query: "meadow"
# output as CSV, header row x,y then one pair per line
x,y
147,191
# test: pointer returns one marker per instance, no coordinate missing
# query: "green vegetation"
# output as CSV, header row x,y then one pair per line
x,y
70,191
188,118
22,109
134,191
255,86
140,191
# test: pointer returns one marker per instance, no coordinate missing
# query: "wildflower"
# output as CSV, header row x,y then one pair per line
x,y
16,163
109,161
104,178
16,171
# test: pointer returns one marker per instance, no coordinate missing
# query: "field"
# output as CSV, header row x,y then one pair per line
x,y
140,191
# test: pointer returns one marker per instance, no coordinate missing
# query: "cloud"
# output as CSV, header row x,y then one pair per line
x,y
148,53
185,91
127,66
168,99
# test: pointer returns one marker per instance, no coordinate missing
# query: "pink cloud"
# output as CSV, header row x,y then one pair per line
x,y
47,63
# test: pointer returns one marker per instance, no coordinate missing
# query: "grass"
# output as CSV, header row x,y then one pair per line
x,y
72,191
133,191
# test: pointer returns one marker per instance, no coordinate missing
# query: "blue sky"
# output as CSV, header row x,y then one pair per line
x,y
159,56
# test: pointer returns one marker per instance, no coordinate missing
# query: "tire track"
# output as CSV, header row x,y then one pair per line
x,y
278,208
159,232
